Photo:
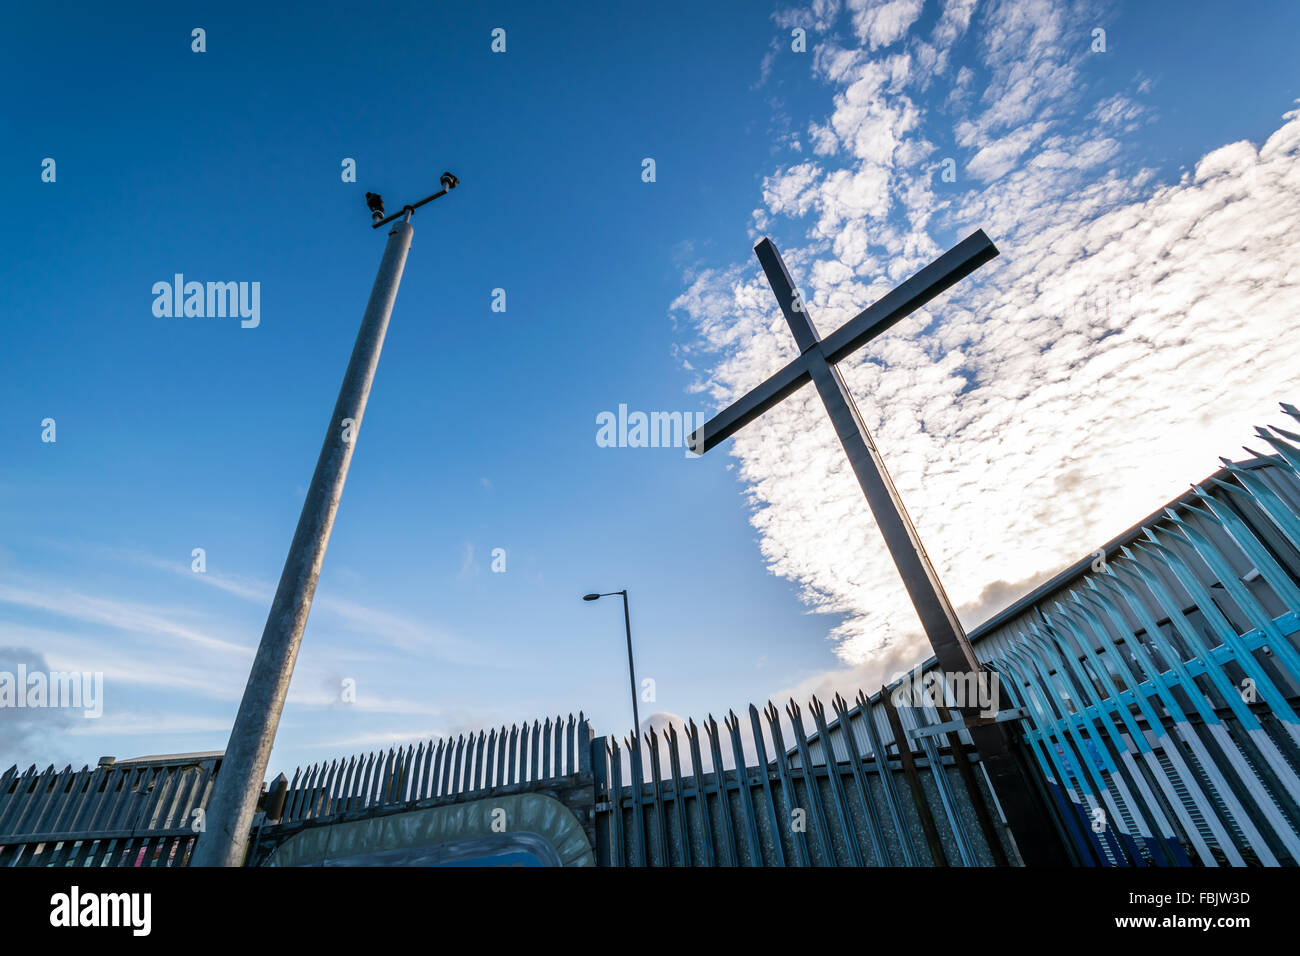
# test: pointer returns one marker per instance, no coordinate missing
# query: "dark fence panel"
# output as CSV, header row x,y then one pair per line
x,y
444,768
893,802
129,814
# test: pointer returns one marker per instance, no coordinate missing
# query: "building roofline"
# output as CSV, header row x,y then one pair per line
x,y
1061,579
164,758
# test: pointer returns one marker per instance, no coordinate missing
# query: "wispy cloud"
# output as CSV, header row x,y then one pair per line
x,y
134,617
150,725
381,626
150,652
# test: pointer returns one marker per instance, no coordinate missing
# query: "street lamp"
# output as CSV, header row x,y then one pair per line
x,y
631,669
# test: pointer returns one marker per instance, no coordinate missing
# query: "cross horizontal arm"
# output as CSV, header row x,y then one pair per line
x,y
951,267
739,414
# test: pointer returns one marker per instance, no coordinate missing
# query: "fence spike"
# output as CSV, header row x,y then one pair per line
x,y
571,735
501,757
1284,433
512,762
525,768
444,757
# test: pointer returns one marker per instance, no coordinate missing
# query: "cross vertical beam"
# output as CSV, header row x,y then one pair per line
x,y
919,576
1036,839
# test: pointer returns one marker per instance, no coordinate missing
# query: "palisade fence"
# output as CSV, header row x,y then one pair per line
x,y
436,771
1158,680
133,813
693,811
143,812
1161,690
1154,688
548,757
885,801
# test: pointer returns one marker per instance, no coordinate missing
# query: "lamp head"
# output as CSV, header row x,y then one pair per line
x,y
449,181
375,203
590,597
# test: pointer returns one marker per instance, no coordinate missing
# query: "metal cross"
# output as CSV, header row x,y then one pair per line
x,y
817,360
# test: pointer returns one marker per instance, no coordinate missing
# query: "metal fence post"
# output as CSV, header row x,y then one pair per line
x,y
600,776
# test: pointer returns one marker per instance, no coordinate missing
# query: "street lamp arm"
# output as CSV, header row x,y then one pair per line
x,y
449,182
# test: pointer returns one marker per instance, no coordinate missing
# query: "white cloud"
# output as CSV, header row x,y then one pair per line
x,y
878,23
997,158
1127,335
819,15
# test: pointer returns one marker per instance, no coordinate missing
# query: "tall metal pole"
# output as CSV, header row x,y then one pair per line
x,y
631,671
239,782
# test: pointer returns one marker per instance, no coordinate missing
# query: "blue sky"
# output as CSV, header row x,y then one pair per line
x,y
175,434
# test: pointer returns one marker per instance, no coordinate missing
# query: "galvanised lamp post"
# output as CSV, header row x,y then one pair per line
x,y
229,813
